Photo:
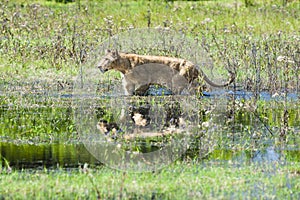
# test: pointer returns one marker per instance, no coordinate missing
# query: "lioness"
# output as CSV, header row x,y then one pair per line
x,y
128,65
138,80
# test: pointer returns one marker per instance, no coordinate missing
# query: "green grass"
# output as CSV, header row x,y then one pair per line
x,y
182,180
47,35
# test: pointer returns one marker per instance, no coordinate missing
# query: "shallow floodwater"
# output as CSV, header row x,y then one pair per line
x,y
28,122
45,155
39,156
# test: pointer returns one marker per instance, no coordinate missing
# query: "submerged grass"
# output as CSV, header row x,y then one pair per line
x,y
39,118
36,120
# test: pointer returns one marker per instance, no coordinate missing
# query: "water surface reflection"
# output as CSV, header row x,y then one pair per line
x,y
46,155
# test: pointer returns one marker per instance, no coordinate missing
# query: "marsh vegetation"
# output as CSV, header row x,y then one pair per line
x,y
250,129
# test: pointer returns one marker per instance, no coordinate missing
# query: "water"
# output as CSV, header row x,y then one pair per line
x,y
46,155
37,129
41,156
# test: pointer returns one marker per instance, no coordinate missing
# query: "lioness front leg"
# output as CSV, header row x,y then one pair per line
x,y
129,87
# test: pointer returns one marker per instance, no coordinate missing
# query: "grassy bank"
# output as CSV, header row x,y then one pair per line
x,y
182,180
47,40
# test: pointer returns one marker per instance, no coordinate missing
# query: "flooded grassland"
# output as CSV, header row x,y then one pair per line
x,y
238,142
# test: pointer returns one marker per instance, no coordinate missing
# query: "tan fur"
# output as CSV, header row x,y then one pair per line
x,y
141,77
125,63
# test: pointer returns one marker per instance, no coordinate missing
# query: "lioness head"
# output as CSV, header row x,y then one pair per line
x,y
108,61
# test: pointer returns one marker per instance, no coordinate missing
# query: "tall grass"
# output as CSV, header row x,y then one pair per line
x,y
55,37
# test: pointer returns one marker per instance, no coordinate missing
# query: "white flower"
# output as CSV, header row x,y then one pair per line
x,y
207,20
206,124
284,59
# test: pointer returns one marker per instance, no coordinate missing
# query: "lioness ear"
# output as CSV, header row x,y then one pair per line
x,y
115,53
107,51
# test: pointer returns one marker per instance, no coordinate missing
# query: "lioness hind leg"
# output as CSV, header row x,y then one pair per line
x,y
179,83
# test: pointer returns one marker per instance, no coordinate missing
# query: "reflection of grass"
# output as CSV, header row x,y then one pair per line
x,y
36,119
188,181
47,119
